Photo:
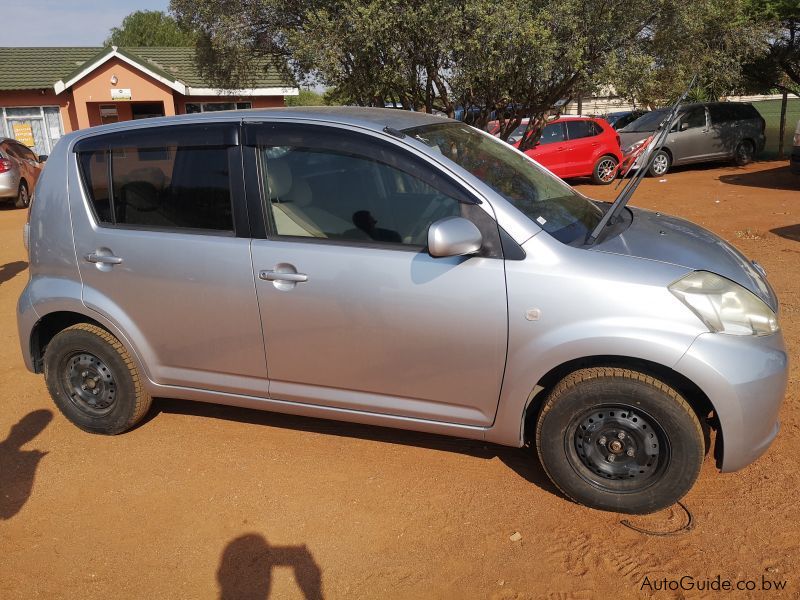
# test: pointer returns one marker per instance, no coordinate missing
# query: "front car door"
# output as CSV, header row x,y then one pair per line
x,y
689,140
163,244
356,314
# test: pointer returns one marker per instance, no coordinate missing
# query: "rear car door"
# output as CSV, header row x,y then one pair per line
x,y
583,145
552,149
725,130
163,244
356,314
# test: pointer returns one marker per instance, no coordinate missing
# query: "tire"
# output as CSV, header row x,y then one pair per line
x,y
84,358
660,164
654,436
605,170
23,199
744,153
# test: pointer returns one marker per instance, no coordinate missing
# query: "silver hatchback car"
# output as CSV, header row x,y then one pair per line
x,y
396,269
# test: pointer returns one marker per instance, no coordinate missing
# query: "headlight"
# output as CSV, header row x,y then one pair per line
x,y
633,147
725,306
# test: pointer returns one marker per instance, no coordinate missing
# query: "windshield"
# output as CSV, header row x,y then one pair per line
x,y
648,122
545,199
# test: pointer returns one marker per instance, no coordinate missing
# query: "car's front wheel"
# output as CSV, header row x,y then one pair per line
x,y
619,440
660,164
93,380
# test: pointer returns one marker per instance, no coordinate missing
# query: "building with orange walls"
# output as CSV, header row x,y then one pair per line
x,y
47,92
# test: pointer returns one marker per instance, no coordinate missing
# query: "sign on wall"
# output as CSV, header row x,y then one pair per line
x,y
121,94
23,133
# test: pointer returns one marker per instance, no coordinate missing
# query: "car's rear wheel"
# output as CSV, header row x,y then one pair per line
x,y
744,153
660,164
23,196
94,381
605,170
619,440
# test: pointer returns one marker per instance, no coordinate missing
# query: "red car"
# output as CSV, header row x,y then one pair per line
x,y
574,147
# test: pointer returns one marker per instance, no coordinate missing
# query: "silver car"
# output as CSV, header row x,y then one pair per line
x,y
397,269
717,131
19,171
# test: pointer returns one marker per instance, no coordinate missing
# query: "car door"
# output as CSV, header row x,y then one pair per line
x,y
725,129
583,145
690,140
552,149
163,246
356,314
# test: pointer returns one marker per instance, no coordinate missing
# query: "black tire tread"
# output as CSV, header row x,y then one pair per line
x,y
142,398
576,377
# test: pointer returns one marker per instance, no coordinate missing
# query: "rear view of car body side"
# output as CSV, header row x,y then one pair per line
x,y
19,171
395,269
718,131
574,147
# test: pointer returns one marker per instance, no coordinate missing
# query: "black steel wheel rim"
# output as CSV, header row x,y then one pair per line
x,y
617,447
89,383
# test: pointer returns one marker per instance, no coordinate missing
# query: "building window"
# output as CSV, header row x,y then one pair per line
x,y
38,127
196,107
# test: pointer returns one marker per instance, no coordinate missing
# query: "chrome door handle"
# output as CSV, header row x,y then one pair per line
x,y
103,259
279,276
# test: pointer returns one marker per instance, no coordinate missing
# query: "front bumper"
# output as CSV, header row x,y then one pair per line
x,y
745,379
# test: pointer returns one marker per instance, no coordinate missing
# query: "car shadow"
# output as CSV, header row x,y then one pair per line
x,y
779,178
245,569
10,270
17,466
523,461
790,232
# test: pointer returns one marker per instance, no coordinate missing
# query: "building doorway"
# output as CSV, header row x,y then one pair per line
x,y
147,110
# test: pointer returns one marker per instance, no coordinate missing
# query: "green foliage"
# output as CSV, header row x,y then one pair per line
x,y
307,98
778,67
149,28
514,60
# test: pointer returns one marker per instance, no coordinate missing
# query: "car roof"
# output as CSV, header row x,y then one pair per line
x,y
368,118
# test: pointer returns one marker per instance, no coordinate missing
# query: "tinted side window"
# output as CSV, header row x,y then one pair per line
x,y
552,133
694,118
94,168
24,152
172,187
580,129
326,194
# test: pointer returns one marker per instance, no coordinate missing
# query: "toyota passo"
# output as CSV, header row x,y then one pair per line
x,y
396,269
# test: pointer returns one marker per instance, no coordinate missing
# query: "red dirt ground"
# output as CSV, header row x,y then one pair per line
x,y
203,500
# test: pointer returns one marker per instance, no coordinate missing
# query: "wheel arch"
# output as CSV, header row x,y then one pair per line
x,y
695,397
46,328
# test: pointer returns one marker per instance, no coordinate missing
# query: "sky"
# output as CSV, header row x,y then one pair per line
x,y
66,22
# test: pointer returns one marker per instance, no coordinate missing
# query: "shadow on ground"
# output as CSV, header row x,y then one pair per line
x,y
245,569
17,466
790,232
523,461
9,270
779,178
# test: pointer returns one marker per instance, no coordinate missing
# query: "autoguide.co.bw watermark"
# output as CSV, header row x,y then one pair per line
x,y
717,584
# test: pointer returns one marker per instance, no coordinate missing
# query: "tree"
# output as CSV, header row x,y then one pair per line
x,y
509,61
149,28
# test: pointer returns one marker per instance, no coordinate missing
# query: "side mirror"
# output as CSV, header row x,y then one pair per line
x,y
42,158
453,236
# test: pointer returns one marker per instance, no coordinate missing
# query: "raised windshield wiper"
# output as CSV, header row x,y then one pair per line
x,y
658,140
